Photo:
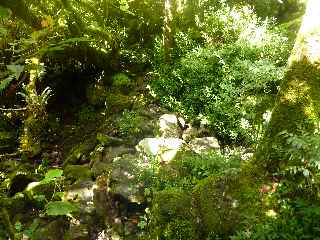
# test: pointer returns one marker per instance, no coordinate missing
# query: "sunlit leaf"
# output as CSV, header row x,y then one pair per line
x,y
16,70
60,208
52,174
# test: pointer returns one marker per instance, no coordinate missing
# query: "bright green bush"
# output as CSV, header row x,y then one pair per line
x,y
129,123
232,82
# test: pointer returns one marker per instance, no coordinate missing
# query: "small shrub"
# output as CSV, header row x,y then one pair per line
x,y
129,123
233,80
121,81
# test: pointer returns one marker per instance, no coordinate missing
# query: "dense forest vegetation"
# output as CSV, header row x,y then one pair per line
x,y
159,119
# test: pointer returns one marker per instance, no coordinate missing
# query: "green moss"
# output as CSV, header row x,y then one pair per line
x,y
81,150
172,204
224,204
180,229
172,216
116,102
77,172
297,110
33,133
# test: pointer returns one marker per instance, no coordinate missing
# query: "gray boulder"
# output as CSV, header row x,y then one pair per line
x,y
171,126
165,149
199,145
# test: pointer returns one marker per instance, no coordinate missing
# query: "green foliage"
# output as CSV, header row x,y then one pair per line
x,y
296,199
129,123
302,224
121,80
4,12
171,216
174,209
60,208
86,114
231,83
227,66
51,175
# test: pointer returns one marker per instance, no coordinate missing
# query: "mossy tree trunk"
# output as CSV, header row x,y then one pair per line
x,y
297,107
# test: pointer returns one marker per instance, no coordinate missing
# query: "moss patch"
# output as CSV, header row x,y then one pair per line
x,y
172,216
297,110
224,204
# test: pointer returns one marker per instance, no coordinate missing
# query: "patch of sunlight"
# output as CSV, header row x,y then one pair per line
x,y
167,7
309,111
271,213
296,91
311,18
308,40
313,45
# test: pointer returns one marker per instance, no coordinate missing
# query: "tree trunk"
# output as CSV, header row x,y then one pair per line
x,y
168,30
297,107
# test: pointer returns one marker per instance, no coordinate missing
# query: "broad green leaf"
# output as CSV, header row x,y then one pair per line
x,y
52,174
58,195
16,70
29,231
60,208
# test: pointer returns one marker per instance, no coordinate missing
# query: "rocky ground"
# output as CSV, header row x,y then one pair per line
x,y
108,155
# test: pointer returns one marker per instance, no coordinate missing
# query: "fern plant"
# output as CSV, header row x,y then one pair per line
x,y
15,73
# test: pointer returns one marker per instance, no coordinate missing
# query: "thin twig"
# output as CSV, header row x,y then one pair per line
x,y
13,109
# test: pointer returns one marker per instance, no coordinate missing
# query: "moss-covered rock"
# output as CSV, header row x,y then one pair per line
x,y
77,172
224,204
51,231
172,216
81,150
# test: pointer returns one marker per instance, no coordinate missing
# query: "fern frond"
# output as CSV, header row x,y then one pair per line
x,y
45,95
5,83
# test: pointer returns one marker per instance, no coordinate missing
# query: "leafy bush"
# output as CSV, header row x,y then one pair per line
x,y
230,83
121,80
129,123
